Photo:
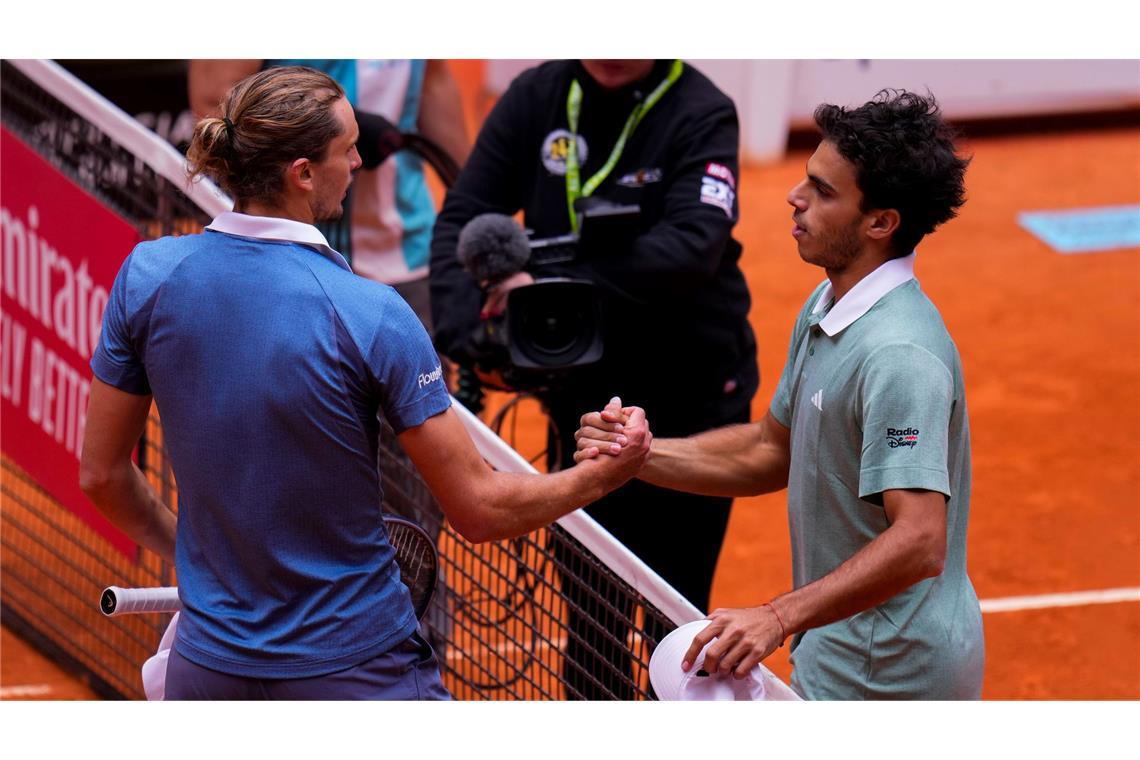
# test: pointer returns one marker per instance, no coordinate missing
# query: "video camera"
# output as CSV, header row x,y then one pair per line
x,y
555,325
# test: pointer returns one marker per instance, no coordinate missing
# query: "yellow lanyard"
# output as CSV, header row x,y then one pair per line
x,y
574,188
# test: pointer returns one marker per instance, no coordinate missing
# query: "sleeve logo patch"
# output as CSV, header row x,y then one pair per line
x,y
717,193
905,437
431,377
721,172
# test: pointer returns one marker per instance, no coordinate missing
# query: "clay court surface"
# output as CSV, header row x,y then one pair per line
x,y
1051,350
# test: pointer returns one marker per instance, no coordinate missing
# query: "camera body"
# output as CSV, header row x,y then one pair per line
x,y
555,325
548,329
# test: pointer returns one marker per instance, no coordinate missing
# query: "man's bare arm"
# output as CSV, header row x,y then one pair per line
x,y
911,549
736,460
209,79
441,112
115,420
485,505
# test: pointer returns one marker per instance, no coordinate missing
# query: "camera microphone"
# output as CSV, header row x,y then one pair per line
x,y
492,247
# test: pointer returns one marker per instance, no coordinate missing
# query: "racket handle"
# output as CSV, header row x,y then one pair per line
x,y
125,601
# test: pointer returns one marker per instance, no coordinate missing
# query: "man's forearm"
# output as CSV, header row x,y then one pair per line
x,y
514,504
126,499
893,562
738,460
209,81
115,420
485,505
911,549
441,112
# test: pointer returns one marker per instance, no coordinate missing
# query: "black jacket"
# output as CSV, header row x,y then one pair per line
x,y
676,305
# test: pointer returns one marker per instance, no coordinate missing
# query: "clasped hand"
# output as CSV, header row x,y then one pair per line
x,y
603,432
626,439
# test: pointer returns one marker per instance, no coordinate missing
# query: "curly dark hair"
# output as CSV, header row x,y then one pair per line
x,y
904,157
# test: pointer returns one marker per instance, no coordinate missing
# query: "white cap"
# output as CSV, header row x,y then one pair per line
x,y
154,669
672,683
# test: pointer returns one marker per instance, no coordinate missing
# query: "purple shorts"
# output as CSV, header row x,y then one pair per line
x,y
407,671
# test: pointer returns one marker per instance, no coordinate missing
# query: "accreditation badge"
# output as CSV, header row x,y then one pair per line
x,y
556,147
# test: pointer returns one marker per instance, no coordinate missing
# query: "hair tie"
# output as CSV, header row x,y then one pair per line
x,y
229,124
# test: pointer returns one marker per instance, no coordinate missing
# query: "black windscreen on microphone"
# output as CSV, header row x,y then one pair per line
x,y
492,247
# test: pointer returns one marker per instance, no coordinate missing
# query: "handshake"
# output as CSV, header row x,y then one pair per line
x,y
613,430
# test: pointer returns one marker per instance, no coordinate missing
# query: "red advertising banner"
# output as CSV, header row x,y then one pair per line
x,y
61,252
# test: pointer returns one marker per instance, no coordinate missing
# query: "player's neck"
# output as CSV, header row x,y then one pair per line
x,y
868,260
298,212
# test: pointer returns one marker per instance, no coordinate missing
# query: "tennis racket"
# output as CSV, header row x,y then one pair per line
x,y
416,557
418,560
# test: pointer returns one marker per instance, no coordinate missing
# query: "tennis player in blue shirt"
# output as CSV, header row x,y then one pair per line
x,y
269,361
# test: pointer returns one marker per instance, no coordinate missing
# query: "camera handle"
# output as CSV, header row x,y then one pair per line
x,y
469,389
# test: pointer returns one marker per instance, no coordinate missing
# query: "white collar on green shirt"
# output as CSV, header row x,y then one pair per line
x,y
866,293
274,228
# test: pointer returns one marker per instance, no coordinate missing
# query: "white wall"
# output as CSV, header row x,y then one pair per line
x,y
972,89
773,96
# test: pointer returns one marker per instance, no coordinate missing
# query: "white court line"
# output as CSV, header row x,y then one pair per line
x,y
1043,601
1005,604
15,692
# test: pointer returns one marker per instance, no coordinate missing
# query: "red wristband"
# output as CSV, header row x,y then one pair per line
x,y
783,636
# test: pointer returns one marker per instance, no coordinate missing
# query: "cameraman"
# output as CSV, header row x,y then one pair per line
x,y
659,135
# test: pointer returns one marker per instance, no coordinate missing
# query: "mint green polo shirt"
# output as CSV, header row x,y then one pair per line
x,y
873,395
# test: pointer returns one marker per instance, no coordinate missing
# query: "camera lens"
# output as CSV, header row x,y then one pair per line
x,y
554,324
553,328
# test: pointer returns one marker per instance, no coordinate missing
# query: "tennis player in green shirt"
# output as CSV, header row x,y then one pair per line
x,y
867,430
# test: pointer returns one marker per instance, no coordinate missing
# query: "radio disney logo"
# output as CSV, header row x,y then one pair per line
x,y
897,438
431,377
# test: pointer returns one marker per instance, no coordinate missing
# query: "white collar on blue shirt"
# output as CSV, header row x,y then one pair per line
x,y
866,293
275,228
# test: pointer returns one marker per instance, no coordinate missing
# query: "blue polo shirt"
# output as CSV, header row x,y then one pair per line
x,y
269,361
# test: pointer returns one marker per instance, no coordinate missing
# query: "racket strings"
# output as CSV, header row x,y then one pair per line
x,y
417,559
